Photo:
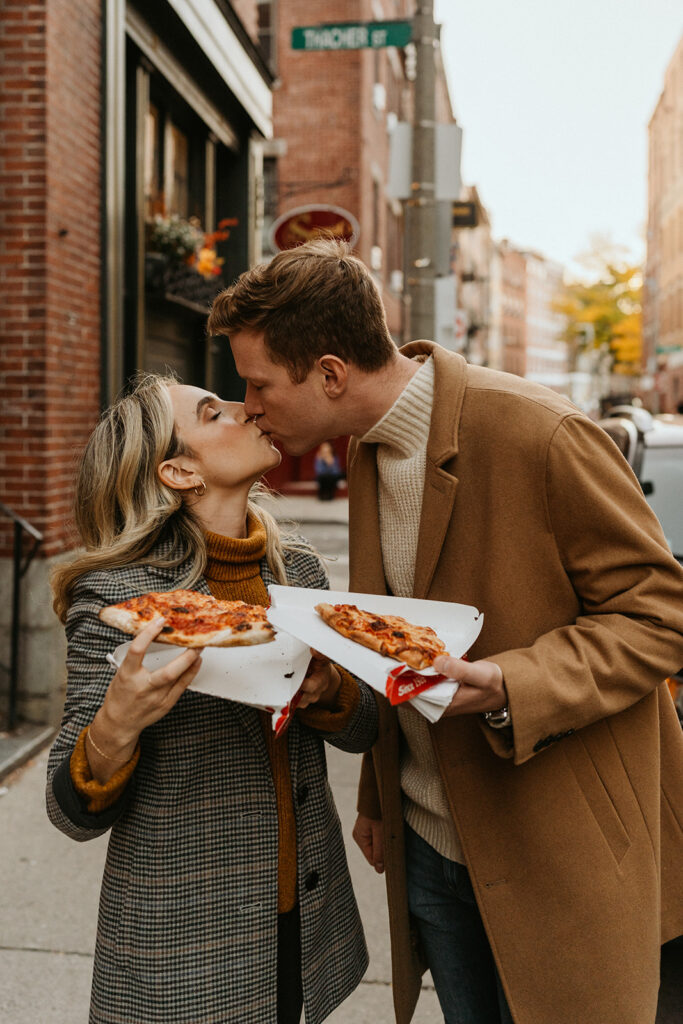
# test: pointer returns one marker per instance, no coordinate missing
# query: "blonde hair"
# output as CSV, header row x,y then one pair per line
x,y
123,510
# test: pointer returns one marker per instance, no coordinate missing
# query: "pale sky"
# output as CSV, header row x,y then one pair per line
x,y
554,98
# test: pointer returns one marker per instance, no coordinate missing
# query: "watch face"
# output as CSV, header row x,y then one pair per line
x,y
498,719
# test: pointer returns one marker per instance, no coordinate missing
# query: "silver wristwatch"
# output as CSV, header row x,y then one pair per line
x,y
498,719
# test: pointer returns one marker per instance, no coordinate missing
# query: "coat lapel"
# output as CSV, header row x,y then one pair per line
x,y
437,509
442,447
366,571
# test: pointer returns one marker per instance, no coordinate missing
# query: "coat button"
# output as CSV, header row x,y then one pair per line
x,y
311,881
302,794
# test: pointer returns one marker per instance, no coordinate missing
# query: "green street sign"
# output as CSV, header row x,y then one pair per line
x,y
352,35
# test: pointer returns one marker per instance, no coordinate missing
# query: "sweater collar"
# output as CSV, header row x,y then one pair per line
x,y
231,558
405,426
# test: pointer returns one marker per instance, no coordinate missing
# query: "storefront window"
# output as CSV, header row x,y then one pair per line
x,y
177,165
266,30
185,199
270,203
152,168
166,167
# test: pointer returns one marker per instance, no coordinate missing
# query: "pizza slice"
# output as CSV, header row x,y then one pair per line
x,y
390,635
192,619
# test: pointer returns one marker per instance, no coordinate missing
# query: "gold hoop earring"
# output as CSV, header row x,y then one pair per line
x,y
203,489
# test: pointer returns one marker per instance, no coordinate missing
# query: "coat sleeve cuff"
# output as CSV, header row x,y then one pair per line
x,y
98,796
74,806
337,718
79,804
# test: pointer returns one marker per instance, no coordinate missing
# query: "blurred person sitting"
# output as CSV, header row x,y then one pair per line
x,y
327,471
226,893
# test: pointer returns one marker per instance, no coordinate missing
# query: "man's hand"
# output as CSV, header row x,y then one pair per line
x,y
482,687
321,683
369,834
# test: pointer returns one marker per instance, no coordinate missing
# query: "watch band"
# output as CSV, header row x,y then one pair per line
x,y
498,719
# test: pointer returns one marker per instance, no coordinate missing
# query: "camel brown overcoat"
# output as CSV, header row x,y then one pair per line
x,y
572,830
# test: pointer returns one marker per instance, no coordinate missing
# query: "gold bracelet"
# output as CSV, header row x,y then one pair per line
x,y
106,757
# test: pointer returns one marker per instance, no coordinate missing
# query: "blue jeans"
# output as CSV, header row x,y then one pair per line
x,y
453,939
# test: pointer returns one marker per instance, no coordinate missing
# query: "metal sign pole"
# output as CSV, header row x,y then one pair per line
x,y
421,206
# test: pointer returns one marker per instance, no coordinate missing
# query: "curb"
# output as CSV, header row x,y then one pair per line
x,y
16,750
301,520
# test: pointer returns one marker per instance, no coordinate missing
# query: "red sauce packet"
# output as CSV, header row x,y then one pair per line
x,y
283,716
404,683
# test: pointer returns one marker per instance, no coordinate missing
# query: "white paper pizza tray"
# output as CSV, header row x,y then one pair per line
x,y
293,611
265,676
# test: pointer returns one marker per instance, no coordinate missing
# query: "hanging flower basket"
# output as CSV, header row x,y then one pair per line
x,y
181,259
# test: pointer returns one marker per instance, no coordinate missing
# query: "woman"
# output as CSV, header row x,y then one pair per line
x,y
226,894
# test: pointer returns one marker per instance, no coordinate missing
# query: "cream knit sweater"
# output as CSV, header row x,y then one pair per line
x,y
401,438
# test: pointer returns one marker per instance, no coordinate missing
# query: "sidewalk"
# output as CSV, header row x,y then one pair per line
x,y
306,508
49,888
49,885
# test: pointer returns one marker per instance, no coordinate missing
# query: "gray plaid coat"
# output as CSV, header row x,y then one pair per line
x,y
188,909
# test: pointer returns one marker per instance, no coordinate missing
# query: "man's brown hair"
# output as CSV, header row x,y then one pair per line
x,y
309,301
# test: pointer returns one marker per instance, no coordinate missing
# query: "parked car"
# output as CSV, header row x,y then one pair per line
x,y
653,447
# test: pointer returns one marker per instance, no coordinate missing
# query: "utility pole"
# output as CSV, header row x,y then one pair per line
x,y
421,206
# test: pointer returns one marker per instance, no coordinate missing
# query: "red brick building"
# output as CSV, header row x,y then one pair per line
x,y
121,119
110,113
333,113
513,308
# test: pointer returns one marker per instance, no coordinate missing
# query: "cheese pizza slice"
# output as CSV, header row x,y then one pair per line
x,y
192,619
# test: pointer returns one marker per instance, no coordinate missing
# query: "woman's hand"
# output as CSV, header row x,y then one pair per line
x,y
320,684
136,698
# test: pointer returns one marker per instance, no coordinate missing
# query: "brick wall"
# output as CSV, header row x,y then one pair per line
x,y
317,111
336,137
513,305
50,194
22,247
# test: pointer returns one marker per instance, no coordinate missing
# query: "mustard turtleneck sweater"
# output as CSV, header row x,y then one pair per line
x,y
233,573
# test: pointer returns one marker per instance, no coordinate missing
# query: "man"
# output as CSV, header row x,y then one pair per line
x,y
532,836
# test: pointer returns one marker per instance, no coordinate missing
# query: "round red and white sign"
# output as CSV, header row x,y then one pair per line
x,y
314,221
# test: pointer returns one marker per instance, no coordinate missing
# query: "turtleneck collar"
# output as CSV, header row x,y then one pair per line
x,y
235,558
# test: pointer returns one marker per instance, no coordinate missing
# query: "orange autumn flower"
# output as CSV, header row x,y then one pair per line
x,y
208,264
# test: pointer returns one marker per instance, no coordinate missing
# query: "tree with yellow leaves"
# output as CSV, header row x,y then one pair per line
x,y
605,314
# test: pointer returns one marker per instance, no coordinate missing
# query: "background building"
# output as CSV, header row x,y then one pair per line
x,y
112,114
663,283
333,115
546,352
512,307
473,252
